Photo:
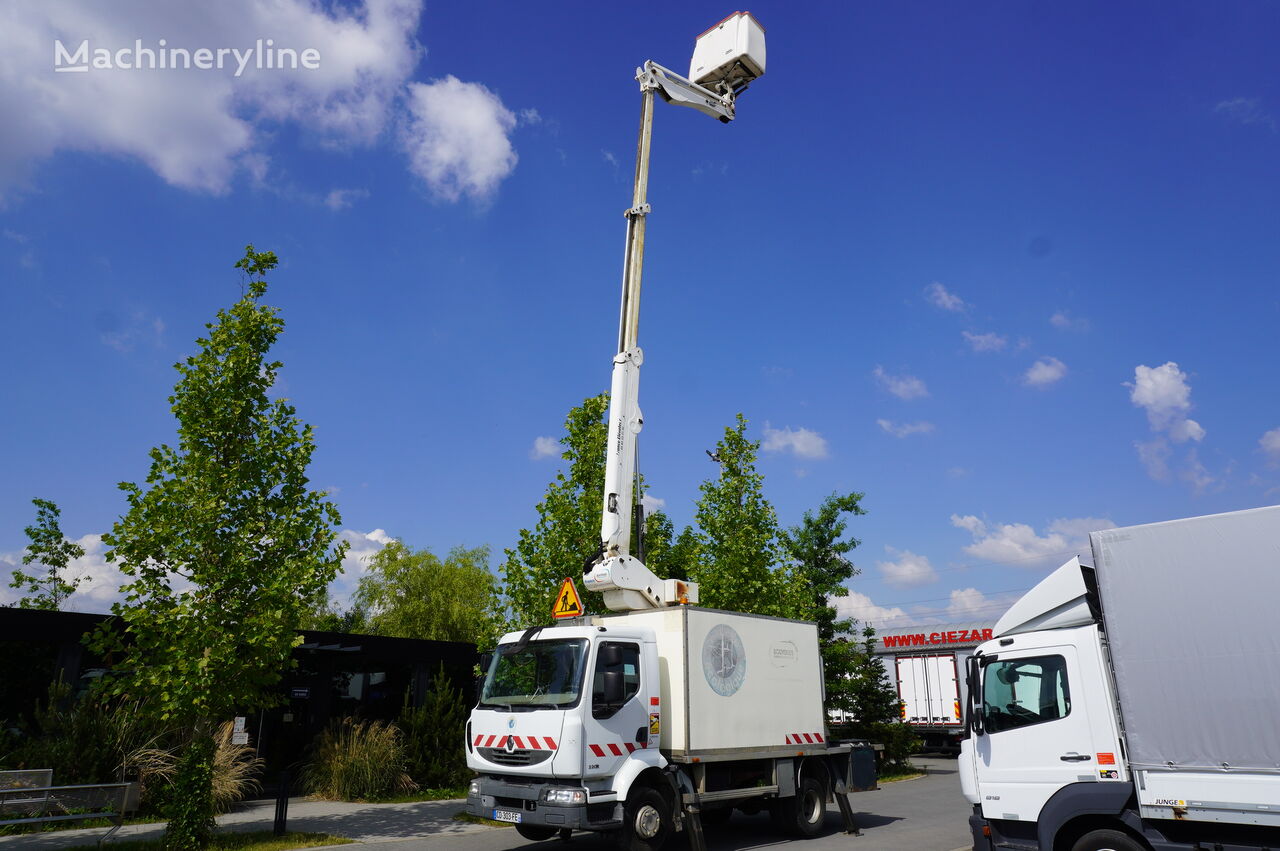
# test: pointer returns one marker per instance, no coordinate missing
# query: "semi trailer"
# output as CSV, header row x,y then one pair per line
x,y
1131,700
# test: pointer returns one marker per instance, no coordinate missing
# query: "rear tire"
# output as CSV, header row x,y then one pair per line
x,y
1107,840
803,814
648,822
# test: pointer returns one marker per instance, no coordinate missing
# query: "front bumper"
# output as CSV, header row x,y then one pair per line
x,y
526,799
981,830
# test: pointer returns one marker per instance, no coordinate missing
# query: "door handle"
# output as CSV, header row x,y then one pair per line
x,y
1075,757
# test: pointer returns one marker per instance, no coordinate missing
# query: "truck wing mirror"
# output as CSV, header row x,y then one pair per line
x,y
613,688
610,656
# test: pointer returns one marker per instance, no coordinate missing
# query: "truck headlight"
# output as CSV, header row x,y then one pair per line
x,y
473,791
564,796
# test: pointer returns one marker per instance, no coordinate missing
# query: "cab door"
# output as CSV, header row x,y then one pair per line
x,y
1036,733
616,725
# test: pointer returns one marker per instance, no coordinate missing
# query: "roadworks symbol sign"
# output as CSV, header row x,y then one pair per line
x,y
568,604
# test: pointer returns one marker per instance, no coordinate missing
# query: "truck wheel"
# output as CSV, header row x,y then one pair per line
x,y
803,814
1107,840
536,832
648,821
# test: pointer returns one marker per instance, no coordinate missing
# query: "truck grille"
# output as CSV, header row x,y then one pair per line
x,y
500,756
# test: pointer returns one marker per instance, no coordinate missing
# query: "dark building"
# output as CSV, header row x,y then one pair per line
x,y
334,675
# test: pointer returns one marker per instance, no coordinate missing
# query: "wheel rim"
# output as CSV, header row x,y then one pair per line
x,y
812,807
648,822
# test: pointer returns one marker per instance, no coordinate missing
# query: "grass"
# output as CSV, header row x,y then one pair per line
x,y
259,840
21,829
899,772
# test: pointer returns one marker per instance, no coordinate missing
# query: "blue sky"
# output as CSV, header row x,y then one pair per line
x,y
1009,270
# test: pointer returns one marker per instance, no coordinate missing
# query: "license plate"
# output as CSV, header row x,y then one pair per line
x,y
506,815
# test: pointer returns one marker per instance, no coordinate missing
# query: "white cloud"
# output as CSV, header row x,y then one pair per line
x,y
901,430
907,570
968,602
1045,371
902,386
340,199
859,606
196,128
608,157
939,297
102,579
1018,543
1163,392
1244,110
457,138
801,442
544,447
1196,475
1154,455
653,503
1063,322
361,547
991,342
1270,445
125,335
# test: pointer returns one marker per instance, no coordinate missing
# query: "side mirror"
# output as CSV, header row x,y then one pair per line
x,y
610,656
613,688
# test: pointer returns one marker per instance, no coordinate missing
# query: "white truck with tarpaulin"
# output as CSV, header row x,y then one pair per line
x,y
1134,704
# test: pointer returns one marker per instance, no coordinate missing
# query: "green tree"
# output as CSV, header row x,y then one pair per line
x,y
668,555
225,547
413,594
567,534
819,551
742,566
48,548
432,732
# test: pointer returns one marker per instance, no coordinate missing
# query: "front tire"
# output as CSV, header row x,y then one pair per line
x,y
648,821
536,832
1107,840
802,815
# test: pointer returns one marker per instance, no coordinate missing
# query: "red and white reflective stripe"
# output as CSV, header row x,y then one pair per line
x,y
525,742
804,739
614,749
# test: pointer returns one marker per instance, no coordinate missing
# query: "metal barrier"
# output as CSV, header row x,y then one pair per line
x,y
24,803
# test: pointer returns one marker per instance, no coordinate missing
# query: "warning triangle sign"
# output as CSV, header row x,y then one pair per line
x,y
568,604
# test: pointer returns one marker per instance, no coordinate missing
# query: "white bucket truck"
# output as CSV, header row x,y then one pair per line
x,y
658,721
1135,705
662,717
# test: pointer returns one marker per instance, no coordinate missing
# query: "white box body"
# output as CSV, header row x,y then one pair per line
x,y
738,38
734,683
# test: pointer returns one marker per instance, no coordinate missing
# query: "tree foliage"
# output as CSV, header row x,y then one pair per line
x,y
224,545
741,565
567,533
819,550
54,552
410,593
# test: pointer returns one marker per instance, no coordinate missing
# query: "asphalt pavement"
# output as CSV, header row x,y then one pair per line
x,y
925,814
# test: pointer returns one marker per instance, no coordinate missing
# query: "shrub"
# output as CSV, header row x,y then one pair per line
x,y
85,740
357,760
436,754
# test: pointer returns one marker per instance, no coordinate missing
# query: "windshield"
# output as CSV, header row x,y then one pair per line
x,y
541,675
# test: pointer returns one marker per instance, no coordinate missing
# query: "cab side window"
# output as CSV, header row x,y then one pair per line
x,y
618,661
1021,692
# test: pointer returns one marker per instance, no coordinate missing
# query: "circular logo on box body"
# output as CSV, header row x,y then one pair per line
x,y
724,660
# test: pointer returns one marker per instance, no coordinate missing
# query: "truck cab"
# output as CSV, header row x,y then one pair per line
x,y
565,723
